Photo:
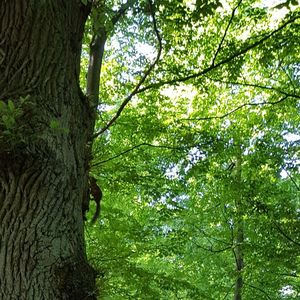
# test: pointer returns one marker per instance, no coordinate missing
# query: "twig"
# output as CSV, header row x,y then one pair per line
x,y
167,147
208,237
122,10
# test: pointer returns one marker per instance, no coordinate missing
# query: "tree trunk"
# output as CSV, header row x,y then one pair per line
x,y
45,126
239,228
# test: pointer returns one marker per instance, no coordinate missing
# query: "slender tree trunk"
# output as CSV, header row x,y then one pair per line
x,y
239,229
45,125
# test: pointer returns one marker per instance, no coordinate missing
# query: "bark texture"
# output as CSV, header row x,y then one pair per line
x,y
45,126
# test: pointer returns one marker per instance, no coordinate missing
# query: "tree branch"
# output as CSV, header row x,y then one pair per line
x,y
221,63
225,33
289,275
259,289
285,235
269,88
229,290
211,248
142,80
94,69
124,7
293,180
96,55
236,109
208,237
153,146
136,147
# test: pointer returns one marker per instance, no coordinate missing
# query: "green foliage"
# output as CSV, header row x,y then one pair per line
x,y
287,4
226,87
56,127
85,2
207,7
10,114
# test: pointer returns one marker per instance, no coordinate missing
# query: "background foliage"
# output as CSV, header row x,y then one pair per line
x,y
222,99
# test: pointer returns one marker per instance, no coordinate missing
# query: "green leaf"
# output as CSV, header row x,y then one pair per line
x,y
11,106
8,121
54,124
3,106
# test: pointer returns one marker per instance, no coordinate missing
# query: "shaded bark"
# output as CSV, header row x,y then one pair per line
x,y
43,153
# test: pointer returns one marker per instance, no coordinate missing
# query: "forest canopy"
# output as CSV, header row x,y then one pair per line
x,y
149,149
196,149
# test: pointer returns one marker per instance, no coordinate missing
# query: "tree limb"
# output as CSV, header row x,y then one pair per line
x,y
285,235
219,64
225,33
142,80
122,10
229,290
211,248
259,289
293,180
96,55
94,69
149,145
236,109
269,88
136,147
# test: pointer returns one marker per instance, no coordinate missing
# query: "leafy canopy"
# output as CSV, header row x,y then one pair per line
x,y
190,90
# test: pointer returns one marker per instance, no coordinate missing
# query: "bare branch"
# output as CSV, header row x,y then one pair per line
x,y
142,80
225,32
209,237
289,275
219,64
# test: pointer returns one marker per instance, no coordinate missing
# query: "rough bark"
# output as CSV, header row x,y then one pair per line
x,y
43,153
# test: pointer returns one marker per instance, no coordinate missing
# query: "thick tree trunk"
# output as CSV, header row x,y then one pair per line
x,y
45,125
